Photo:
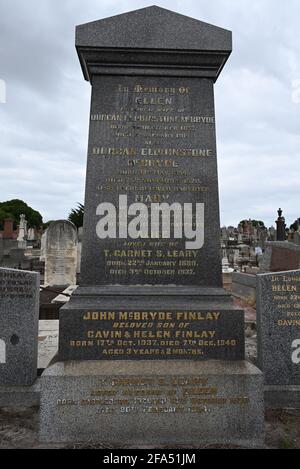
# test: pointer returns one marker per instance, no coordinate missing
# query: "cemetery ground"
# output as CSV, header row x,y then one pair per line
x,y
19,426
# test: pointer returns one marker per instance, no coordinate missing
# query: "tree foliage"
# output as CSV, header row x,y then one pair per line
x,y
295,225
47,224
76,215
14,208
255,223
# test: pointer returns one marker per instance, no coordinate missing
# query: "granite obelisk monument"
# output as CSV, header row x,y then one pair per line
x,y
150,337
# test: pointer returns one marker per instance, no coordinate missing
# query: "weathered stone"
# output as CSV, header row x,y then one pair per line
x,y
152,138
189,312
149,170
43,246
19,314
152,141
8,229
105,333
153,403
20,396
282,397
61,254
244,286
280,256
31,234
278,328
155,38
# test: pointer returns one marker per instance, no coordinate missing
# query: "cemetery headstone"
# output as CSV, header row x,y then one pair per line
x,y
22,232
19,315
43,246
278,334
8,229
151,289
280,256
296,238
61,254
31,234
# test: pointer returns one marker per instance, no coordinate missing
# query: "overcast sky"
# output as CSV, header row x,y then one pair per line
x,y
44,122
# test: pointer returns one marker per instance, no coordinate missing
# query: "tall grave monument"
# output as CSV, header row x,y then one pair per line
x,y
151,348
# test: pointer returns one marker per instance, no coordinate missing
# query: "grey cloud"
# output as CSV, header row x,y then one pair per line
x,y
44,124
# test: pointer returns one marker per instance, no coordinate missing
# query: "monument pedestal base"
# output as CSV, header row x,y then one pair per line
x,y
153,403
20,396
282,397
150,322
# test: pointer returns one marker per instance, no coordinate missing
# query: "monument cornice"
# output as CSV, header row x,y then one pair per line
x,y
151,62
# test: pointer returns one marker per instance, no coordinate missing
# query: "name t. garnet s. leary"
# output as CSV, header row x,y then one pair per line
x,y
137,221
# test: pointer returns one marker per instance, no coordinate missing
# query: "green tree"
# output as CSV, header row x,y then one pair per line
x,y
295,225
16,207
76,215
47,224
255,223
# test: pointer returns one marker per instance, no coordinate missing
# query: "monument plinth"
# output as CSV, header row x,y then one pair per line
x,y
151,286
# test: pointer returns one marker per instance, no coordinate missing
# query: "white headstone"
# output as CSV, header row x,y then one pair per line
x,y
22,233
43,246
31,234
61,254
225,266
22,228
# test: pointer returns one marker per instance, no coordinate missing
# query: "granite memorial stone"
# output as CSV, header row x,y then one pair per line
x,y
152,144
186,403
278,328
150,286
61,254
19,315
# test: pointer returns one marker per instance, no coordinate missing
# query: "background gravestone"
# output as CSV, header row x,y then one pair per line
x,y
61,254
280,256
43,246
79,248
19,315
278,322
